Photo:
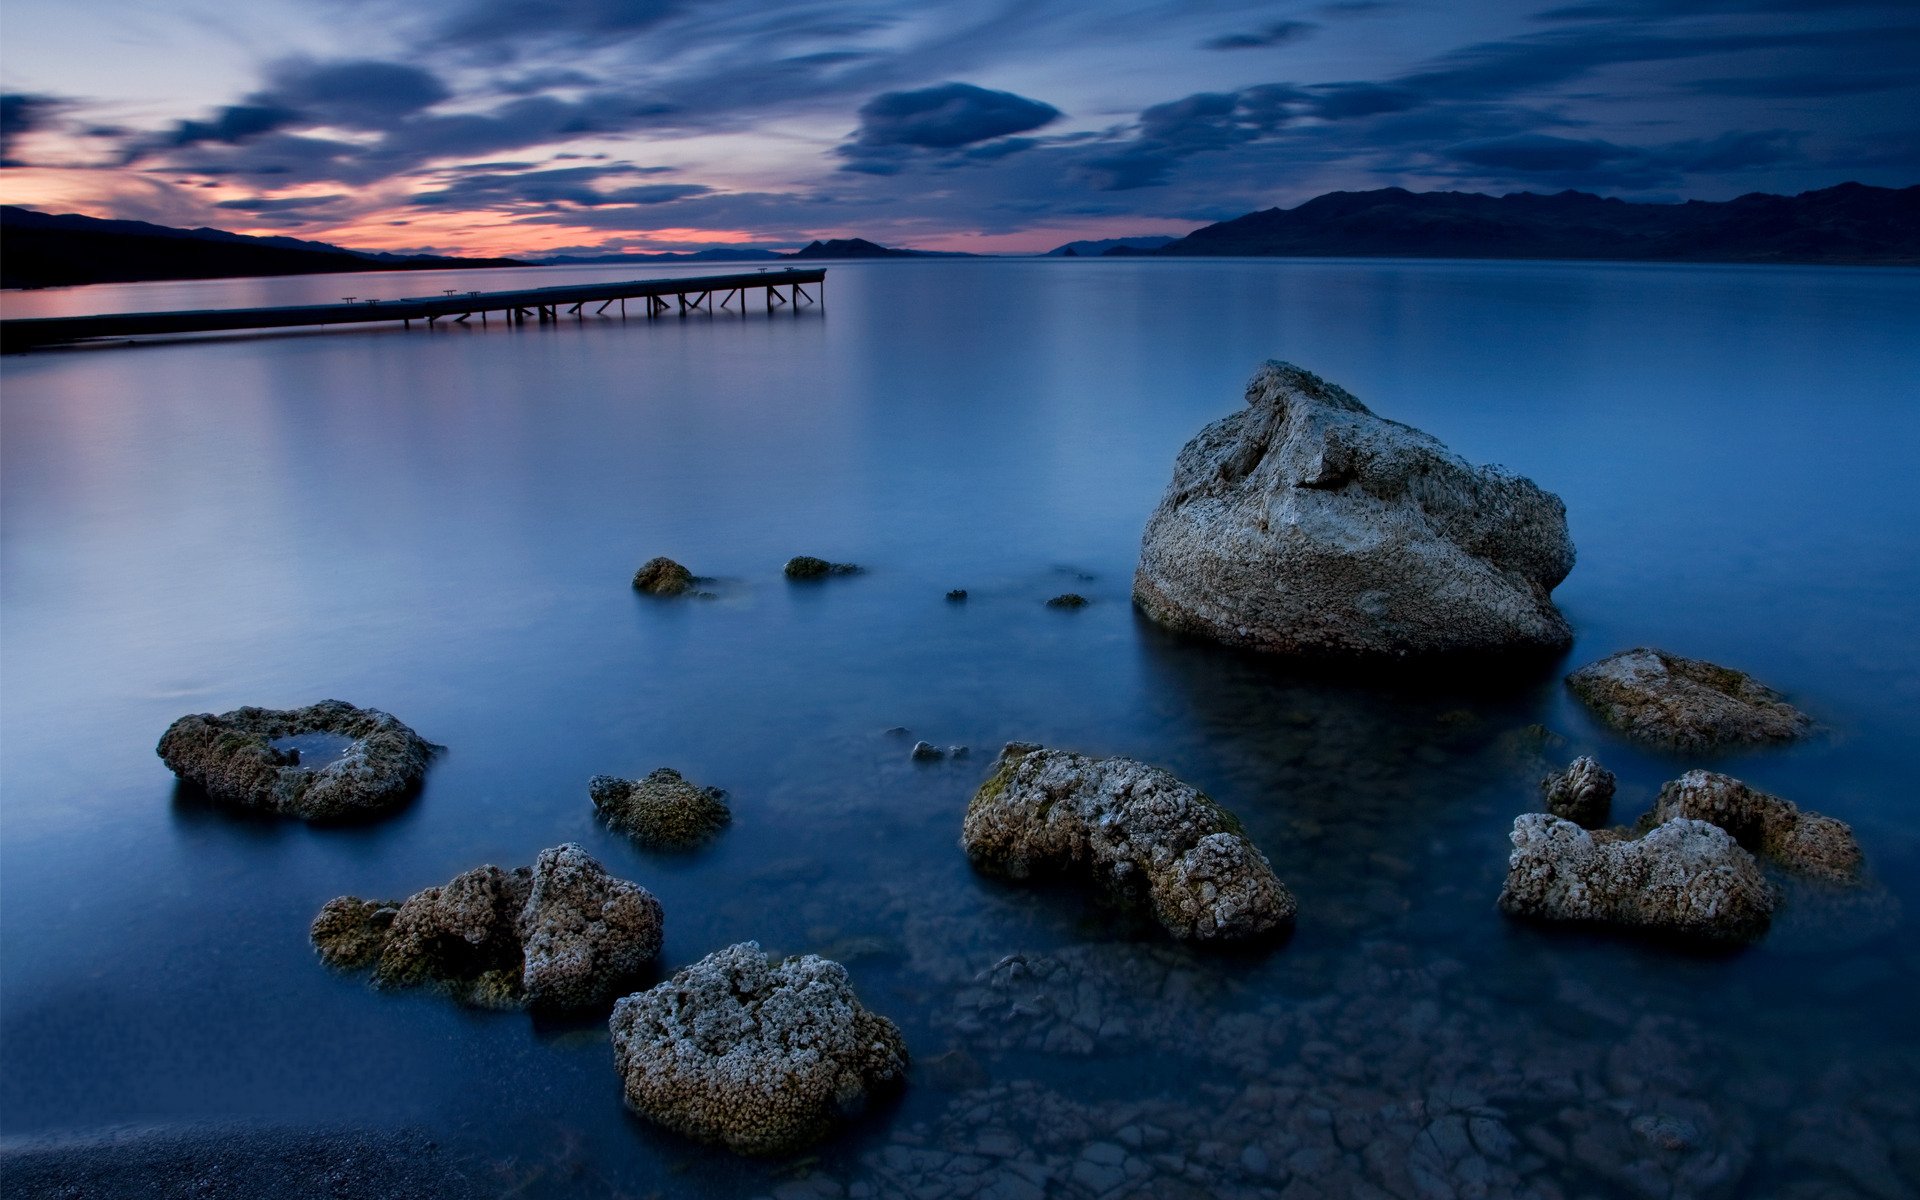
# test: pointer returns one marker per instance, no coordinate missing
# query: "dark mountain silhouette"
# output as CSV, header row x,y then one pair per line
x,y
1850,223
717,254
55,249
1103,246
858,248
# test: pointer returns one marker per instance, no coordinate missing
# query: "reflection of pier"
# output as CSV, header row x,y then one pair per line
x,y
695,293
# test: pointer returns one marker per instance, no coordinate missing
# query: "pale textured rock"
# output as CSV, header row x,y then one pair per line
x,y
663,810
1306,525
760,1056
1686,877
1133,828
1684,703
1583,793
1773,828
563,934
233,758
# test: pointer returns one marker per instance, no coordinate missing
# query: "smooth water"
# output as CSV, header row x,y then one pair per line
x,y
443,524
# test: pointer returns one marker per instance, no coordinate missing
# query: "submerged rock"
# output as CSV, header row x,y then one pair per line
x,y
927,752
1685,877
1685,703
957,595
1306,525
1133,828
1583,793
1069,600
759,1056
563,934
663,577
806,566
664,809
232,757
1773,828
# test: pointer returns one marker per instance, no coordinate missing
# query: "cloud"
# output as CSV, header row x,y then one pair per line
x,y
1277,33
356,93
1205,121
232,125
1536,153
948,116
1591,162
1341,101
507,21
22,113
287,204
574,186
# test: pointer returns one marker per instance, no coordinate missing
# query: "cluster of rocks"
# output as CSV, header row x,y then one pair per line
x,y
562,934
664,810
1134,830
377,763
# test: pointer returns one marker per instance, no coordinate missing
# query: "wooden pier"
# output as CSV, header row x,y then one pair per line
x,y
787,287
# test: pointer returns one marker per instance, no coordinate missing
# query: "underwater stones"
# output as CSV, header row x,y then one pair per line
x,y
761,1056
662,810
1133,828
1068,600
1684,703
1686,877
1583,793
663,577
233,758
805,566
1772,828
1305,525
563,934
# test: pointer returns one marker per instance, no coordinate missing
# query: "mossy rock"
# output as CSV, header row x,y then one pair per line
x,y
663,810
663,577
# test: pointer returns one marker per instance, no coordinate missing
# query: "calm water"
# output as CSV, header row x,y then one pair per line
x,y
443,524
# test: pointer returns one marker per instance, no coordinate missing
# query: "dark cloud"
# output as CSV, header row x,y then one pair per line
x,y
1341,101
1811,86
287,204
948,116
569,186
22,113
1592,162
1277,33
508,21
233,124
1628,10
1205,121
1536,154
358,94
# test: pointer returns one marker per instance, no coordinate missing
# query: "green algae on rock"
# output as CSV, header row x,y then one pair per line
x,y
1685,878
1133,829
563,934
232,757
663,577
759,1056
663,810
1685,703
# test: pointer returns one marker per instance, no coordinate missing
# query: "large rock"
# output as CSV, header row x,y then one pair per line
x,y
663,810
760,1056
1583,793
1684,703
563,934
1773,828
1306,525
1686,878
375,761
1132,828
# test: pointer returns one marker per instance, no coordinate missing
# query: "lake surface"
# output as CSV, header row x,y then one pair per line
x,y
443,524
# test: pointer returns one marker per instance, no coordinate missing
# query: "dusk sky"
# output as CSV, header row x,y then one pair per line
x,y
522,126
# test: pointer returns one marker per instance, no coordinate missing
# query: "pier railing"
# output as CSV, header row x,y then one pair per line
x,y
785,287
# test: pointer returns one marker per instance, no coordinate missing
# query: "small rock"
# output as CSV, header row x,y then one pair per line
x,y
805,566
959,752
957,595
663,577
1685,703
663,810
1068,600
927,752
1583,793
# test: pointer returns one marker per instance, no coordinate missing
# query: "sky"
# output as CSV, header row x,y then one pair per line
x,y
599,126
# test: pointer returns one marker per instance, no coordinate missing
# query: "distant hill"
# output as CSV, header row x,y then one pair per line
x,y
1103,246
50,250
718,254
862,248
1851,223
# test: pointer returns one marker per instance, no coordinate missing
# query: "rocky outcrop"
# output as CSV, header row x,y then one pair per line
x,y
1687,878
1305,525
805,566
1068,600
1770,827
376,764
1131,828
1685,703
1583,793
562,935
663,577
663,810
759,1056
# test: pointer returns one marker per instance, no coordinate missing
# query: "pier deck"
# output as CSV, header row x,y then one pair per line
x,y
692,293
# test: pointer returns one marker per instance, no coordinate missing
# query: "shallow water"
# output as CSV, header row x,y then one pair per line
x,y
443,524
